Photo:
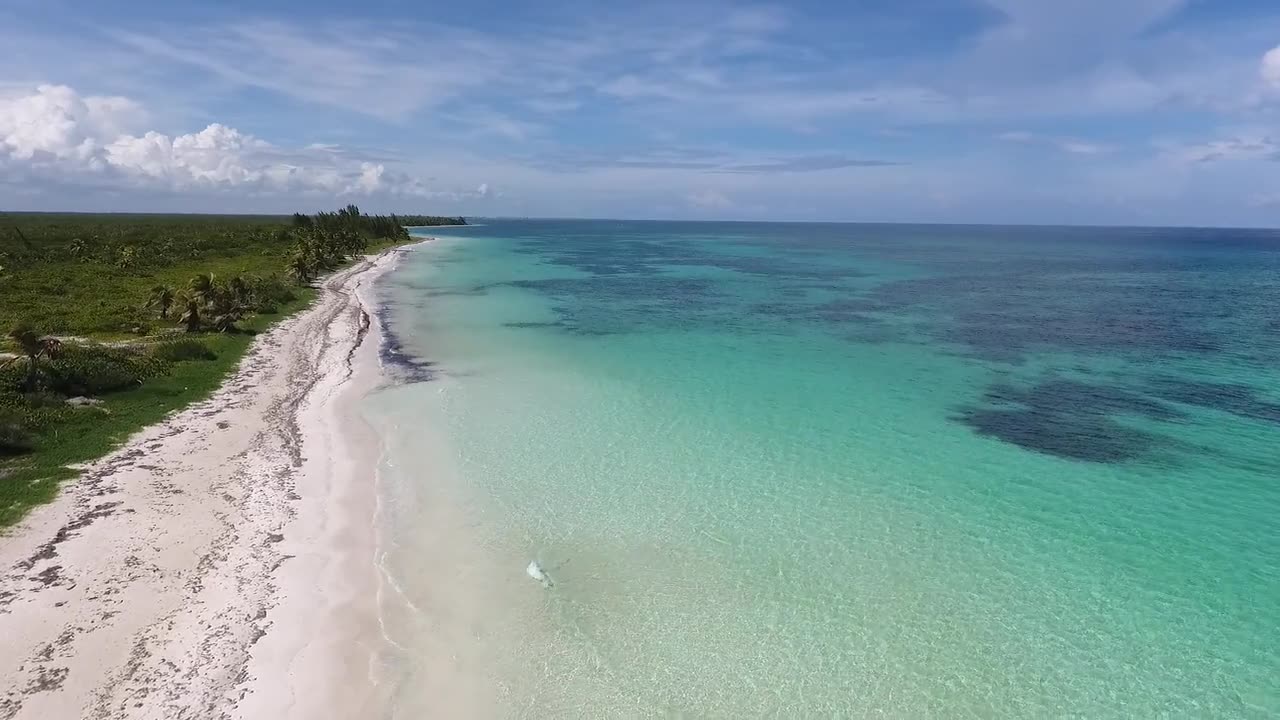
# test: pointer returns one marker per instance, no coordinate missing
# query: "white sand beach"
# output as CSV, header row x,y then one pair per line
x,y
220,563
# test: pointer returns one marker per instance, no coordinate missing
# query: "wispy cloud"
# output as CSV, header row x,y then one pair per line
x,y
766,65
810,163
1240,147
1074,146
356,68
703,160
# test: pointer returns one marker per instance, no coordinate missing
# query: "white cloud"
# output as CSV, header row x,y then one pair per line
x,y
1271,68
217,155
55,133
370,180
53,121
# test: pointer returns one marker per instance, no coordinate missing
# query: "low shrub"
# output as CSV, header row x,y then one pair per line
x,y
12,375
15,439
92,370
21,416
269,293
183,350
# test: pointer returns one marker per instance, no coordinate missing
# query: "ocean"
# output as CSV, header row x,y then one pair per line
x,y
832,470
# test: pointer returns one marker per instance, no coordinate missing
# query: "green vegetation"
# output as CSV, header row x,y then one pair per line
x,y
427,220
113,321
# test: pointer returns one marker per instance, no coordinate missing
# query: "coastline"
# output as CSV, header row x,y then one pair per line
x,y
221,562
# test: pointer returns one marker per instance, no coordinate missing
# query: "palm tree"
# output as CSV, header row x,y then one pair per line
x,y
239,290
202,287
226,320
190,311
350,242
128,257
224,309
161,297
299,268
33,347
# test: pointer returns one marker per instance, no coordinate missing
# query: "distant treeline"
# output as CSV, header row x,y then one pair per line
x,y
85,274
384,226
428,220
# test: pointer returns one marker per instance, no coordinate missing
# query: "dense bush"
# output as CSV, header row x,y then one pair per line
x,y
12,376
92,370
267,294
15,439
21,416
76,370
183,350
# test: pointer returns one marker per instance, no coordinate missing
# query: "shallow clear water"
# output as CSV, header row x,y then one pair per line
x,y
835,471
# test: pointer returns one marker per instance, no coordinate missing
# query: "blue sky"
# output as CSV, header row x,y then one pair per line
x,y
1044,111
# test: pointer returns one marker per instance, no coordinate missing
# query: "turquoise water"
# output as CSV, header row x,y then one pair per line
x,y
834,471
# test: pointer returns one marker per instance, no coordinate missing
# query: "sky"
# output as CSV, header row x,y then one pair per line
x,y
1134,112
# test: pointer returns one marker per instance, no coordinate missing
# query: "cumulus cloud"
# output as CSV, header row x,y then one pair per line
x,y
1271,68
56,122
55,133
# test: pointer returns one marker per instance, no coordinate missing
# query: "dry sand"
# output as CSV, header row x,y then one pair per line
x,y
220,564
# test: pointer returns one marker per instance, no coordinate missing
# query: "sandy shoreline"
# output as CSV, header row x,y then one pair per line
x,y
220,564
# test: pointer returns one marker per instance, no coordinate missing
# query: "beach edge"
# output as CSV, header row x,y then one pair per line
x,y
222,560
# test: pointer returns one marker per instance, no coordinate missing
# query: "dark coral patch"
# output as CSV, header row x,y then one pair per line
x,y
1069,419
1239,400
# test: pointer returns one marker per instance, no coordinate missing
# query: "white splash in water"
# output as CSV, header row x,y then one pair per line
x,y
536,572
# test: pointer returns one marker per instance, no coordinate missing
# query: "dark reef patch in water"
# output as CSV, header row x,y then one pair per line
x,y
533,325
1069,419
1007,315
1240,400
1073,396
616,253
456,292
1093,439
618,304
